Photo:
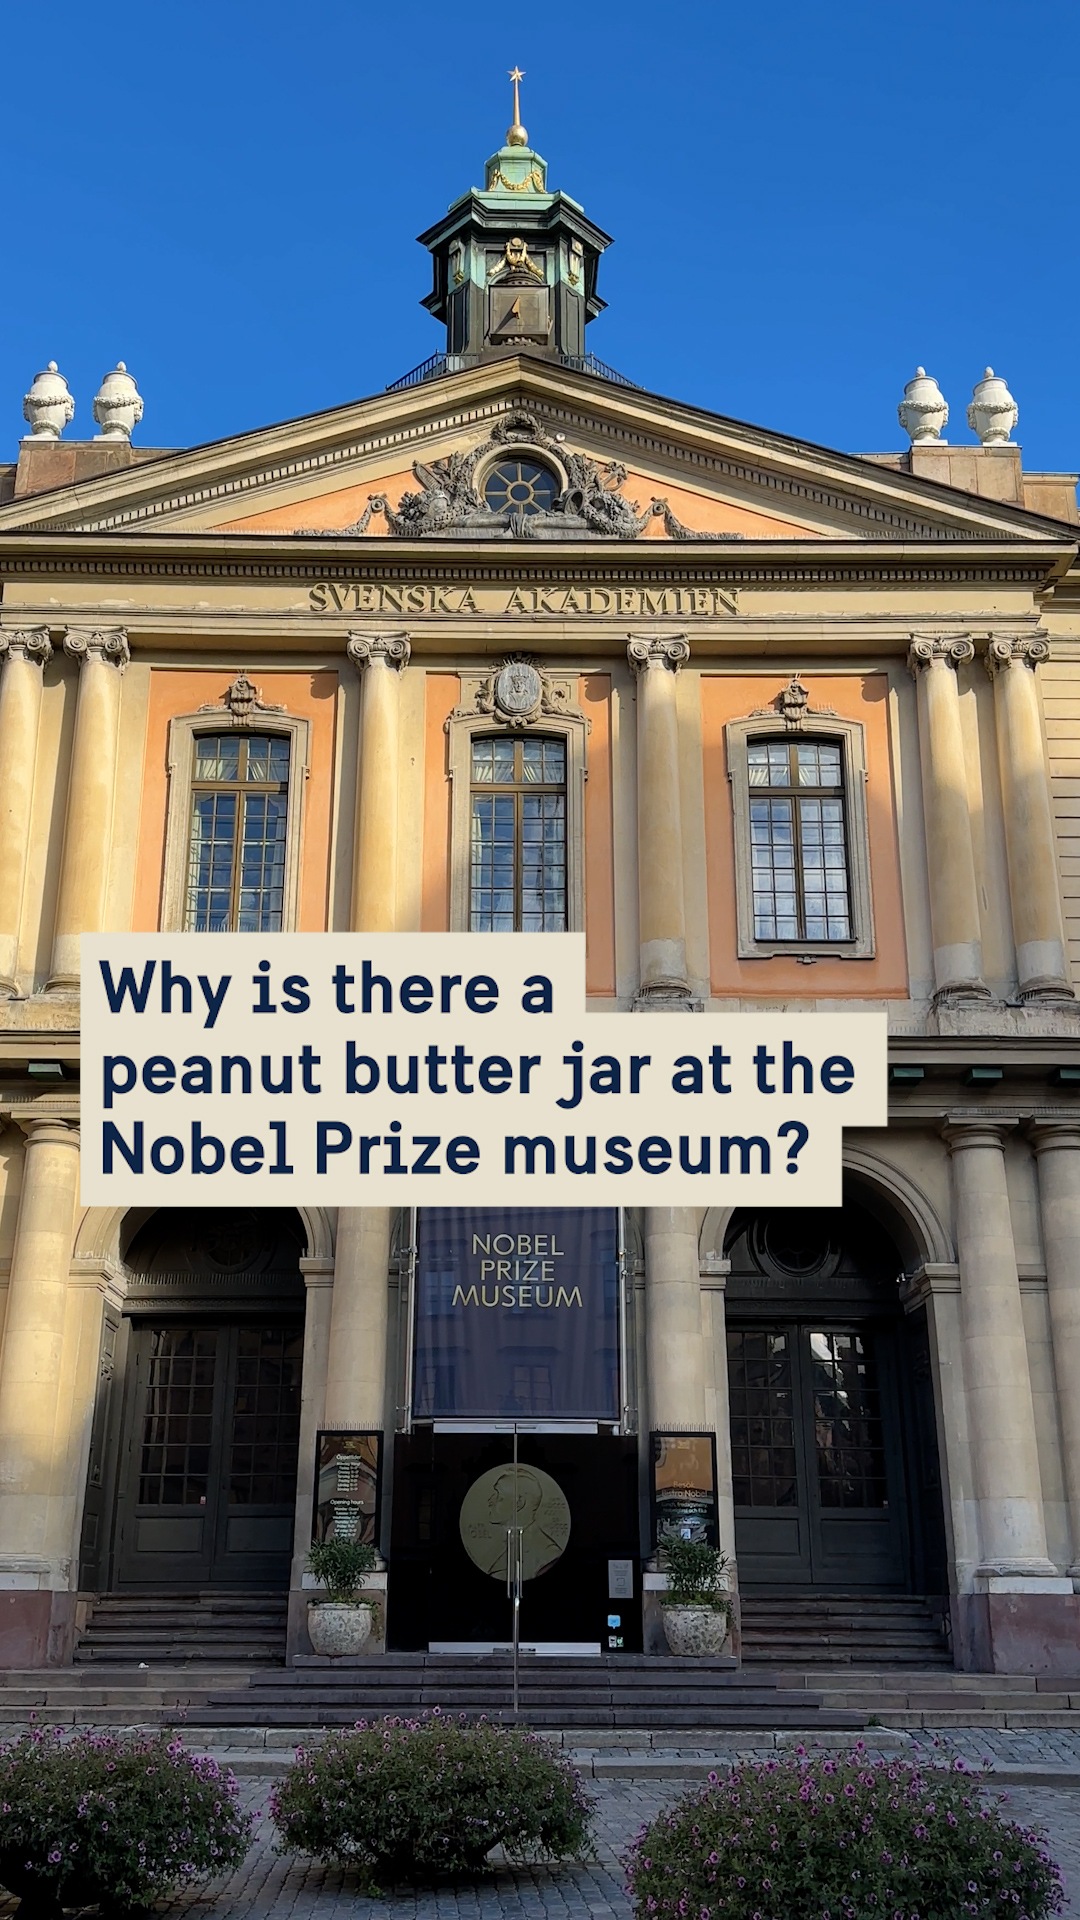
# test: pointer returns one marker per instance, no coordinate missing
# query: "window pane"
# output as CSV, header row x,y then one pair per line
x,y
493,761
543,760
819,764
267,759
492,879
262,864
217,756
210,862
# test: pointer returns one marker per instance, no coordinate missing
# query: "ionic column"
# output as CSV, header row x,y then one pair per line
x,y
378,659
954,899
1034,885
1005,1459
25,654
84,865
30,1360
674,1349
661,909
1057,1150
356,1366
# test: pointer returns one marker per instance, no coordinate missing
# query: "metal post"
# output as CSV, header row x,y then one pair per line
x,y
410,1317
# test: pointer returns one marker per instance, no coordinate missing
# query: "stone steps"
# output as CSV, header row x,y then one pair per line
x,y
212,1626
866,1630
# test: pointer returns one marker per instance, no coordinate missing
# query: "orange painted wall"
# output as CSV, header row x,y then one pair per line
x,y
862,697
442,691
308,696
594,693
344,507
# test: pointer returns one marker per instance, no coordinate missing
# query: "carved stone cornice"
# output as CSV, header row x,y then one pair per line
x,y
379,650
645,653
96,643
1016,649
27,643
951,649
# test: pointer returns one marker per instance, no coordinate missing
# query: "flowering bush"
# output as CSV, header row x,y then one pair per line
x,y
840,1839
409,1799
112,1819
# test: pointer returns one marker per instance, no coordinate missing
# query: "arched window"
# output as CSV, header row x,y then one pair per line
x,y
517,877
798,840
237,837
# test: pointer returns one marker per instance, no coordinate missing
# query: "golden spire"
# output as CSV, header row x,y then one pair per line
x,y
516,135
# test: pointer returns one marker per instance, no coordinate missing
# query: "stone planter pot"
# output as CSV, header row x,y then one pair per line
x,y
338,1630
695,1630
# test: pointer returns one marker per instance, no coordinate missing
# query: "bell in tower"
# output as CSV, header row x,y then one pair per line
x,y
515,265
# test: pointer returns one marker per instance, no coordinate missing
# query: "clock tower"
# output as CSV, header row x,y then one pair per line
x,y
515,265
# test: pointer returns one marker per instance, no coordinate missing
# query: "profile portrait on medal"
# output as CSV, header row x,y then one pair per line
x,y
506,1497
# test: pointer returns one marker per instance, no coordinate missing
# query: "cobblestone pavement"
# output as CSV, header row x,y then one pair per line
x,y
269,1888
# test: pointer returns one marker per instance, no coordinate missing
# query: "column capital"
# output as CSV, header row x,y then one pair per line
x,y
1046,1135
379,650
960,1133
1016,649
47,1129
26,643
644,651
98,643
947,649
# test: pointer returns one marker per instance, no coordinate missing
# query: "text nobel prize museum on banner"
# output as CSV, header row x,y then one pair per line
x,y
451,1069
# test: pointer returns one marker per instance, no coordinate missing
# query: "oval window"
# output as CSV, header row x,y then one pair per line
x,y
520,486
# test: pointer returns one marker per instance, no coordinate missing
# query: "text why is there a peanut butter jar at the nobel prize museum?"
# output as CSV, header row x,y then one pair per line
x,y
451,1069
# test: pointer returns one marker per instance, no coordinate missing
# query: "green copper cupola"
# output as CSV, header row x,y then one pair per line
x,y
514,265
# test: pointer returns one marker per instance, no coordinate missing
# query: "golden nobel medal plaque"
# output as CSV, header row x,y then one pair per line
x,y
512,1496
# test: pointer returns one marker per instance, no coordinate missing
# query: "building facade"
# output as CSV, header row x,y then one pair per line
x,y
516,645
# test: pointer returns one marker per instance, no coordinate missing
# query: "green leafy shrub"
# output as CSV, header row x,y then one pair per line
x,y
694,1571
341,1566
116,1820
842,1838
413,1799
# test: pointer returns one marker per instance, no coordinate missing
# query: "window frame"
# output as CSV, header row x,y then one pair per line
x,y
831,729
184,728
518,791
469,718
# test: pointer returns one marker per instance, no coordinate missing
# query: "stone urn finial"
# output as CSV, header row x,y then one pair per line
x,y
118,405
48,406
992,412
924,410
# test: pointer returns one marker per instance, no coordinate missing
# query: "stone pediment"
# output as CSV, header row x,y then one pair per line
x,y
624,466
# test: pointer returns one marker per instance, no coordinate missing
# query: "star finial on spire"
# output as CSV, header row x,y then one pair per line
x,y
516,136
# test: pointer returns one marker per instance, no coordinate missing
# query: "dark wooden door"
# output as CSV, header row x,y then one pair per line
x,y
817,1457
209,1480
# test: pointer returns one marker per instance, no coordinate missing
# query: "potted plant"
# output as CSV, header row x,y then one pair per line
x,y
340,1623
697,1604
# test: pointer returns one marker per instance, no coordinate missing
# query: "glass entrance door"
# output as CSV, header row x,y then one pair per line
x,y
456,1499
209,1479
817,1459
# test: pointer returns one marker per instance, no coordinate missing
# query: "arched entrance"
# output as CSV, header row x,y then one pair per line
x,y
209,1416
834,1456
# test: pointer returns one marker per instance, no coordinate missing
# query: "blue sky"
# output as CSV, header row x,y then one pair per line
x,y
806,200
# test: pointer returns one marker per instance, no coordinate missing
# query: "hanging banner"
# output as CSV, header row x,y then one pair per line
x,y
387,1069
517,1314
